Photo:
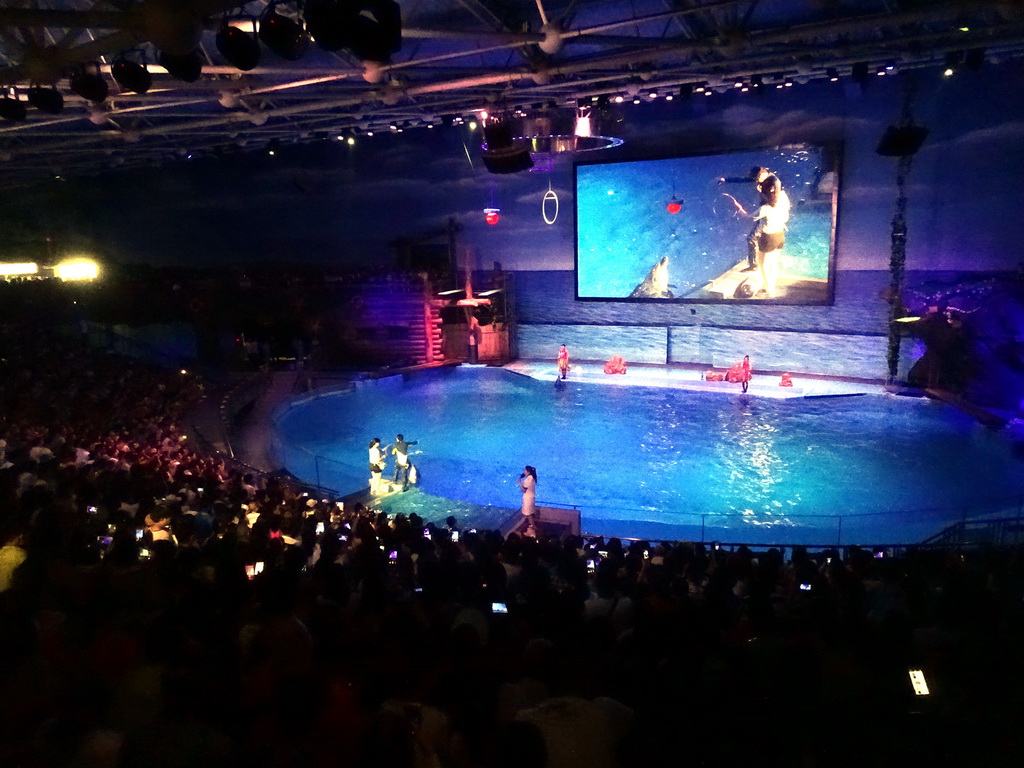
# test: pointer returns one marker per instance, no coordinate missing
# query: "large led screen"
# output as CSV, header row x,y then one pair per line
x,y
748,227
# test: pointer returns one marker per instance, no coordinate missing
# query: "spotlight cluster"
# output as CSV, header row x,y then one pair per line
x,y
370,29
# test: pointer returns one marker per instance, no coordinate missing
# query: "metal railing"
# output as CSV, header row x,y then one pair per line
x,y
998,532
337,477
998,521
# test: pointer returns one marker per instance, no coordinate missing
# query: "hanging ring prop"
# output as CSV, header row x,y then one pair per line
x,y
549,196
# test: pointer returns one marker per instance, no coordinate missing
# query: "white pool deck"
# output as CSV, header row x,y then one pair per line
x,y
690,377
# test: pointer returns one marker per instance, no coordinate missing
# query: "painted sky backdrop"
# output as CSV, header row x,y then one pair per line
x,y
330,203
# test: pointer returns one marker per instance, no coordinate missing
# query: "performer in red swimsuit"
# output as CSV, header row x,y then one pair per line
x,y
745,380
563,361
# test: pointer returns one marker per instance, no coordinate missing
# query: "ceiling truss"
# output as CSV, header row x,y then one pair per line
x,y
457,56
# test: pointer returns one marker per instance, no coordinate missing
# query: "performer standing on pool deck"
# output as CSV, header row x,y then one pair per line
x,y
563,361
376,456
528,485
401,451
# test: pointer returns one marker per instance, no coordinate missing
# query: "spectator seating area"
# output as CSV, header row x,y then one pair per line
x,y
160,608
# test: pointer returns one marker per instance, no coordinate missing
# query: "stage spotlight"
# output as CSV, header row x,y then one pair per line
x,y
953,60
501,153
131,76
89,85
12,109
328,22
77,268
859,72
901,140
371,29
186,68
241,49
282,35
46,100
833,75
583,127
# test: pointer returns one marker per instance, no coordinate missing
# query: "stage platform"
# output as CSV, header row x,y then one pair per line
x,y
689,377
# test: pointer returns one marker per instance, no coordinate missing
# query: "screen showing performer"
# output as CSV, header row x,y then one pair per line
x,y
754,226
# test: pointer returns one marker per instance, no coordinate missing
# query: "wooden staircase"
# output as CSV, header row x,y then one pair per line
x,y
399,322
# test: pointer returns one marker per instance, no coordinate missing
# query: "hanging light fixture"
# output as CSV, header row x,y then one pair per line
x,y
48,100
282,35
551,131
131,75
371,29
328,22
582,127
501,153
241,49
90,85
187,68
11,108
376,31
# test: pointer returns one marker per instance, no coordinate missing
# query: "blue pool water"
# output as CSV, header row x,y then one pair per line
x,y
665,463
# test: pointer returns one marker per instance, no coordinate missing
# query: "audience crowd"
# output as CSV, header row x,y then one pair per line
x,y
161,608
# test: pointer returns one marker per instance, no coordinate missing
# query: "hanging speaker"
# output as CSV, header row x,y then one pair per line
x,y
901,140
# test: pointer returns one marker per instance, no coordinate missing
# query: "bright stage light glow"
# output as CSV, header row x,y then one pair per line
x,y
23,268
79,268
918,682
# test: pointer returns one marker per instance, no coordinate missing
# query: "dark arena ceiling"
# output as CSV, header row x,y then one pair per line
x,y
377,65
